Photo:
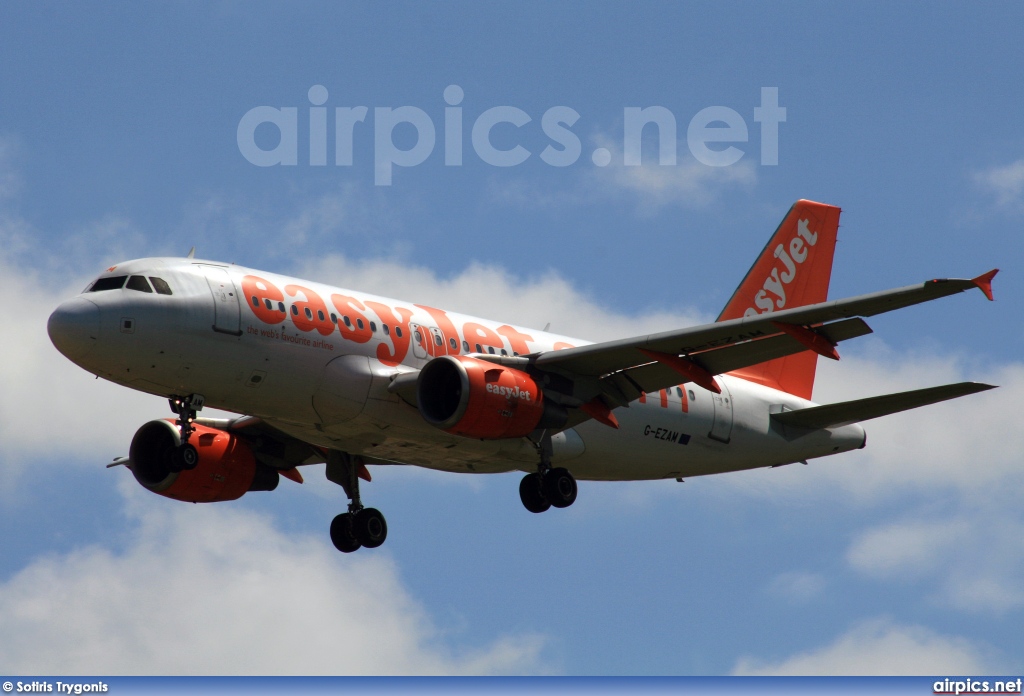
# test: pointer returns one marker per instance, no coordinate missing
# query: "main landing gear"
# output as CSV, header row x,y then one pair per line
x,y
549,487
359,526
185,457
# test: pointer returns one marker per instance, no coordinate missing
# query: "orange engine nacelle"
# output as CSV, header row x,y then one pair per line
x,y
474,398
227,468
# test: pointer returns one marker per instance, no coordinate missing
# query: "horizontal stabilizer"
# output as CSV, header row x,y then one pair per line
x,y
846,412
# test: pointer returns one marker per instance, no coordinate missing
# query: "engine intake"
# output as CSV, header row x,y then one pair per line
x,y
227,468
474,398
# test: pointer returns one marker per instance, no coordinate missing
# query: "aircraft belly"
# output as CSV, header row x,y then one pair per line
x,y
657,441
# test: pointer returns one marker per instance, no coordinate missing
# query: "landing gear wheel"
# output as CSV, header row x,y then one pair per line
x,y
187,457
531,495
369,527
341,533
559,488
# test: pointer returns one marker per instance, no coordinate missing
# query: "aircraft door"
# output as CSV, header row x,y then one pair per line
x,y
226,314
721,424
420,336
427,341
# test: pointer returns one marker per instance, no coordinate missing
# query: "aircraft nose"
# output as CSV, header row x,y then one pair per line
x,y
74,327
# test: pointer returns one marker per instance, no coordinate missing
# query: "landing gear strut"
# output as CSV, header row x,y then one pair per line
x,y
359,526
186,457
549,487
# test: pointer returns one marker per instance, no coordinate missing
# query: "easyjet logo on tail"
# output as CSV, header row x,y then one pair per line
x,y
789,256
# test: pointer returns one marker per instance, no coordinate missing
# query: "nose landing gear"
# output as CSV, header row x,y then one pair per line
x,y
360,526
186,457
549,487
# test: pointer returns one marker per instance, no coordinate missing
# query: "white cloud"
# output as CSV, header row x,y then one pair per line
x,y
688,183
909,547
878,648
797,587
218,590
1006,183
974,557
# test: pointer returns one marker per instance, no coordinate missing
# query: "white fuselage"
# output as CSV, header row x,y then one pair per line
x,y
326,381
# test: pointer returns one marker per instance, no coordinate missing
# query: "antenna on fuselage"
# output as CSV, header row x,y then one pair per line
x,y
547,326
191,253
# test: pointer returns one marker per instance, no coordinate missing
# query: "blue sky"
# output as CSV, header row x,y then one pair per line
x,y
118,139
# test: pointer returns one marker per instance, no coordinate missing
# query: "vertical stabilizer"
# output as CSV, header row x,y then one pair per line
x,y
793,270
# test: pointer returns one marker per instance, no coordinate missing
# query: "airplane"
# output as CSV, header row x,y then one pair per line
x,y
320,374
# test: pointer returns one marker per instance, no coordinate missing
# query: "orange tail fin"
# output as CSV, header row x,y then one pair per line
x,y
793,270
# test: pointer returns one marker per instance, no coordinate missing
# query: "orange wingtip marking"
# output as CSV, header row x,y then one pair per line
x,y
687,368
601,413
809,339
984,282
291,474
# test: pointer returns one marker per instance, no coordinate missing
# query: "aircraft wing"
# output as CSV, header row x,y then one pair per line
x,y
628,366
271,446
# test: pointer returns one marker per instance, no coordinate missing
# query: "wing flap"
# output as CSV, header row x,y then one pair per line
x,y
847,412
654,376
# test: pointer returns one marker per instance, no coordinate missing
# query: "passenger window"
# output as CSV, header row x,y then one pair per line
x,y
359,323
161,286
398,331
110,283
453,343
138,283
490,349
348,322
373,326
693,397
269,304
503,353
309,313
280,307
387,331
295,311
334,318
478,348
465,346
438,341
418,336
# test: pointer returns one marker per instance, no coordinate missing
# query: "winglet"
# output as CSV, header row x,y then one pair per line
x,y
984,282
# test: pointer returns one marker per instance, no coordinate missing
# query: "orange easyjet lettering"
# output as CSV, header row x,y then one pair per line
x,y
263,297
311,312
515,339
399,331
356,328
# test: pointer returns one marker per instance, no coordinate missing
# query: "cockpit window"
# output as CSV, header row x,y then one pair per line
x,y
161,286
138,283
108,283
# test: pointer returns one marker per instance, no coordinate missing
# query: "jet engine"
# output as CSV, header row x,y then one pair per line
x,y
226,467
478,399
